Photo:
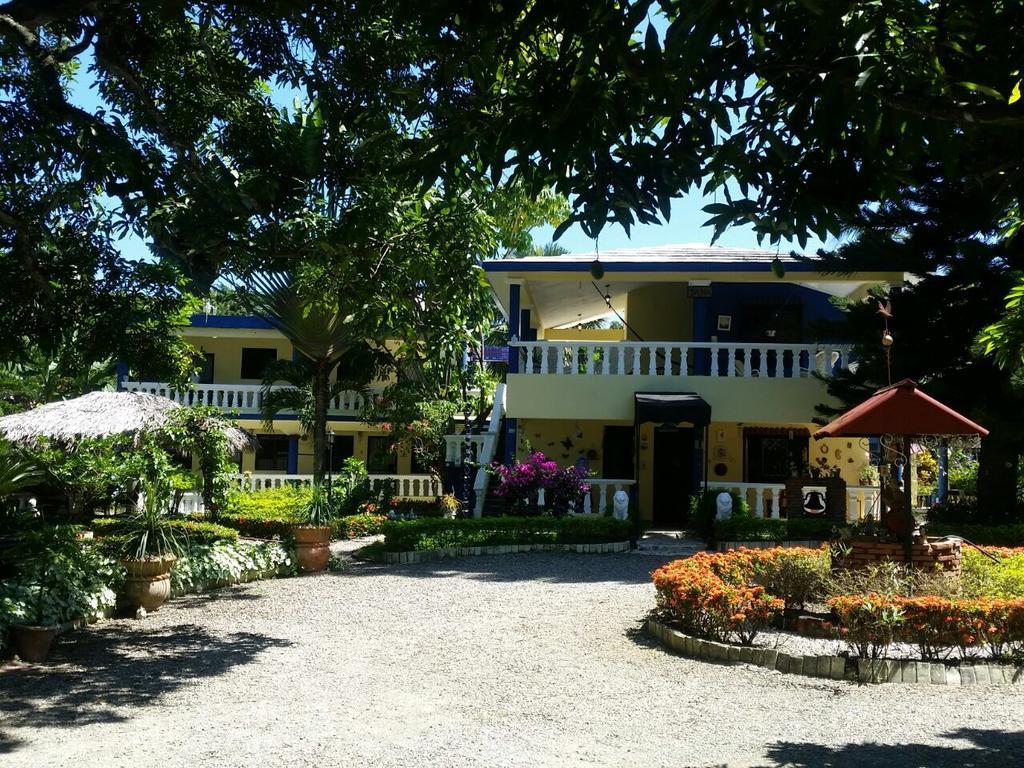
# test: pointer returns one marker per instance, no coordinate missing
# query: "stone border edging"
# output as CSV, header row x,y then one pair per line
x,y
428,555
835,667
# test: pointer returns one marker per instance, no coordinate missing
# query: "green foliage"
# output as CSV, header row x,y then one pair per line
x,y
984,535
272,513
318,511
412,535
796,575
55,578
981,577
703,508
148,531
216,564
200,431
16,472
768,529
192,532
419,428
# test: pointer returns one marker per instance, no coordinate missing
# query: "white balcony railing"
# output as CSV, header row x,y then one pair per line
x,y
600,498
402,486
677,358
765,499
243,398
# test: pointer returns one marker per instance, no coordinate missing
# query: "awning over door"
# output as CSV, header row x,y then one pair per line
x,y
672,407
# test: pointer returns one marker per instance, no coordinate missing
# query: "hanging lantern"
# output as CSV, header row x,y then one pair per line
x,y
778,268
596,269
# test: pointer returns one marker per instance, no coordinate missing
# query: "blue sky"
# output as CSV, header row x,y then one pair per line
x,y
684,226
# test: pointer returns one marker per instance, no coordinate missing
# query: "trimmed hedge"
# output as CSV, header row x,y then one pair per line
x,y
280,527
704,507
194,531
433,533
985,535
767,529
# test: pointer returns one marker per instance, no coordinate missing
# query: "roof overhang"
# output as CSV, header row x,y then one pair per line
x,y
560,290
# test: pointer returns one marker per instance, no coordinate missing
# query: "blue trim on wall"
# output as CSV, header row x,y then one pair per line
x,y
122,374
650,266
511,436
514,318
293,454
230,321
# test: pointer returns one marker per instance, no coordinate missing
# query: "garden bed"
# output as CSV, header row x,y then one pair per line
x,y
882,612
501,549
488,532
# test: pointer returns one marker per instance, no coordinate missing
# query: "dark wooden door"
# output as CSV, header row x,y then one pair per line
x,y
673,476
617,453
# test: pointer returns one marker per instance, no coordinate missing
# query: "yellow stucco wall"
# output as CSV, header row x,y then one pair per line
x,y
610,398
227,354
583,334
660,312
725,445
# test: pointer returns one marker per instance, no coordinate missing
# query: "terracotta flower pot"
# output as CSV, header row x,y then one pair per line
x,y
32,643
149,582
312,548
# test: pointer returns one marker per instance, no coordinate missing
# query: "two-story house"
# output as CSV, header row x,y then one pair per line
x,y
711,381
235,351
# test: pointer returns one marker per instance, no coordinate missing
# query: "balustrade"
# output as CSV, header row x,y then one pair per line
x,y
766,499
245,398
671,358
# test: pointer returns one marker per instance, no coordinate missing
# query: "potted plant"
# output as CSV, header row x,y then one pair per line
x,y
41,553
313,534
150,547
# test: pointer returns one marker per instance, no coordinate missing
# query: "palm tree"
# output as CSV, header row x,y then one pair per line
x,y
323,332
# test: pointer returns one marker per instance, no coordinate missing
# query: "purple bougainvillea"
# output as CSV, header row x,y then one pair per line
x,y
521,483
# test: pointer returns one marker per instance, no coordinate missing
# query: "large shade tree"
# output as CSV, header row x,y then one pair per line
x,y
945,236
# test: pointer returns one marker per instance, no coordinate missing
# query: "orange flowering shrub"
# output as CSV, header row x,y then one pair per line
x,y
938,626
726,596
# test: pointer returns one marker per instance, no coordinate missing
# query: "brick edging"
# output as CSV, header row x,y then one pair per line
x,y
835,667
502,549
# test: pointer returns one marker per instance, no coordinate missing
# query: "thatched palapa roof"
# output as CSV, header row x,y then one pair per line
x,y
101,414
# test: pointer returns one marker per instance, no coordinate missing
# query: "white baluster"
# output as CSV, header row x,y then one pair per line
x,y
776,495
635,351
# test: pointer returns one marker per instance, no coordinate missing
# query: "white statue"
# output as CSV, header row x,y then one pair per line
x,y
620,505
723,504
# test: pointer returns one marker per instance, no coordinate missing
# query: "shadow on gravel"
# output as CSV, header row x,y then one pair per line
x,y
234,593
106,673
985,748
569,568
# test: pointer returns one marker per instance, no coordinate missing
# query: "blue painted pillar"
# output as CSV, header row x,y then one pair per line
x,y
293,455
511,436
514,328
122,374
943,486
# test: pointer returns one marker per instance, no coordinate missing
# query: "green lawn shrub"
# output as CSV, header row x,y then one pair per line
x,y
208,566
770,529
704,507
193,532
983,535
435,533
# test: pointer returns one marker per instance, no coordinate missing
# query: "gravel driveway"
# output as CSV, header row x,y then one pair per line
x,y
514,660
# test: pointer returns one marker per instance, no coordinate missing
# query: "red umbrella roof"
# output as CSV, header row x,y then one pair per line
x,y
900,409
